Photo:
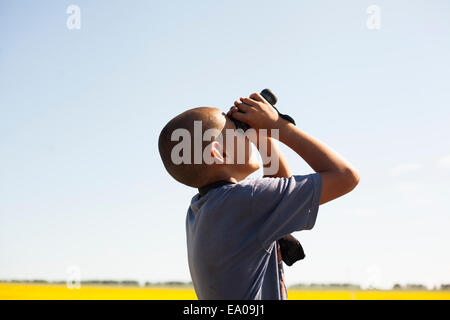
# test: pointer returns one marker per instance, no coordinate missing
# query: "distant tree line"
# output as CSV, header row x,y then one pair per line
x,y
411,286
419,287
129,283
327,285
169,284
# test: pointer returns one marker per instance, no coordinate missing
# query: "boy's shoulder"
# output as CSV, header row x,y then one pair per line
x,y
259,187
256,182
261,180
248,186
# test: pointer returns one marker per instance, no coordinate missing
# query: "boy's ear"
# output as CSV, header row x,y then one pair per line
x,y
216,152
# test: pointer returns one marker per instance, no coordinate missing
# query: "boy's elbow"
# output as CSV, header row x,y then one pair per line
x,y
337,183
351,178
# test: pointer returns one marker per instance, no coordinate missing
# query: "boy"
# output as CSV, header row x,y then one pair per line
x,y
233,223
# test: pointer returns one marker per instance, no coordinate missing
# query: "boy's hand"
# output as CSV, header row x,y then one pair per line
x,y
256,112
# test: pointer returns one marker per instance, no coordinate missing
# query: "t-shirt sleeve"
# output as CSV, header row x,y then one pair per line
x,y
285,205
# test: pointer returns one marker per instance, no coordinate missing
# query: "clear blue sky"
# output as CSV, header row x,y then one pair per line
x,y
81,182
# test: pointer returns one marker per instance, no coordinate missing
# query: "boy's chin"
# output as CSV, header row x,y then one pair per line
x,y
252,167
245,170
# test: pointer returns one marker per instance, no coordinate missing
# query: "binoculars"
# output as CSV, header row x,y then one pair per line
x,y
271,98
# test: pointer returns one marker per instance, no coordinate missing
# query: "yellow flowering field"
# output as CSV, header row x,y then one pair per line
x,y
51,291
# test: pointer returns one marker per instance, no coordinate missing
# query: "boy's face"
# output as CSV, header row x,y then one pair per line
x,y
239,155
202,145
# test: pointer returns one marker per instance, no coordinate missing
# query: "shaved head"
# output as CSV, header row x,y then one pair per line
x,y
194,173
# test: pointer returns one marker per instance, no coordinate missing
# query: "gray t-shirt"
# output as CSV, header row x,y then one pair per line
x,y
232,231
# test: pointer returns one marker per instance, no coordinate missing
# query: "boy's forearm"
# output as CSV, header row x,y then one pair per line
x,y
318,155
338,176
270,154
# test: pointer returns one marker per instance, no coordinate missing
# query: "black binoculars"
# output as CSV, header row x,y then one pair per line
x,y
271,98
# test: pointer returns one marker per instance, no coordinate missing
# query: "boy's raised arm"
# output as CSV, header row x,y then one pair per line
x,y
338,175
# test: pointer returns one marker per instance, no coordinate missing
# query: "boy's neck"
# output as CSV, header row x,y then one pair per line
x,y
224,178
224,175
